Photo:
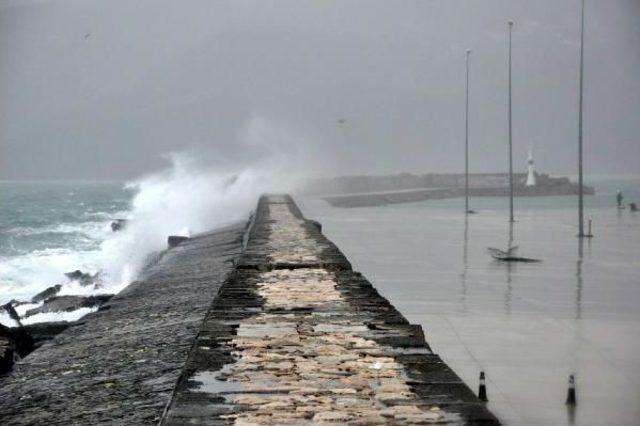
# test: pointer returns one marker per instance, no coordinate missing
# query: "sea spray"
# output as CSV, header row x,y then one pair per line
x,y
49,228
183,200
187,198
200,192
55,228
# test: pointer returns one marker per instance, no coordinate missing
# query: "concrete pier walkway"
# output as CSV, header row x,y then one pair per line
x,y
295,336
264,323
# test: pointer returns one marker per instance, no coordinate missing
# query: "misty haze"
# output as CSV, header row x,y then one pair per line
x,y
310,212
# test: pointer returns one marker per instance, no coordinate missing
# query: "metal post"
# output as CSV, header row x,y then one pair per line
x,y
466,140
510,134
580,181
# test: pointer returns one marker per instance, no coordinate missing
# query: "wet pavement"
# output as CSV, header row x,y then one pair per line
x,y
296,337
527,325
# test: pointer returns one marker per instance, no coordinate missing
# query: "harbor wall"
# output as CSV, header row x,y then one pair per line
x,y
373,199
120,365
406,181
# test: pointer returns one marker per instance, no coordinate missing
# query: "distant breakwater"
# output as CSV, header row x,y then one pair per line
x,y
264,322
365,191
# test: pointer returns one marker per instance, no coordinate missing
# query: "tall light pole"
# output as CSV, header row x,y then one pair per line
x,y
580,181
510,134
466,140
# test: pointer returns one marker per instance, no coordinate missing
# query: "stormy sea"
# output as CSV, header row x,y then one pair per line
x,y
73,238
49,229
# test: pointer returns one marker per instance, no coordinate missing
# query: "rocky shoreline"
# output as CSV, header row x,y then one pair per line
x,y
23,333
27,325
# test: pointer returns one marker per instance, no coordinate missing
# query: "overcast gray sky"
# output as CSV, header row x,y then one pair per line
x,y
102,89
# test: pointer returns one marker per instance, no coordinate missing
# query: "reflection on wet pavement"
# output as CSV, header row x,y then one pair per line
x,y
527,325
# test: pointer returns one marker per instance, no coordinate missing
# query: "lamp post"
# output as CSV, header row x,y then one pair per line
x,y
510,134
466,139
581,233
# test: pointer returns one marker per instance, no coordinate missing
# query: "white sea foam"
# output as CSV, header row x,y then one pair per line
x,y
187,198
7,321
104,216
75,288
95,230
25,275
23,308
58,316
190,197
184,200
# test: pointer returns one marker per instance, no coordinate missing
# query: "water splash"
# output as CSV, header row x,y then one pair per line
x,y
183,200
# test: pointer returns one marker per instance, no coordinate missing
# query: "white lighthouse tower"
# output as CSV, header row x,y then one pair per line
x,y
531,175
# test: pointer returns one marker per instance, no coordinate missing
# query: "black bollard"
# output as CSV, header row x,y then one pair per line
x,y
571,393
482,389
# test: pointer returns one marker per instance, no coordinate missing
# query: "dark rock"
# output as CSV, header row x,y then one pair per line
x,y
118,224
44,295
23,340
15,342
69,303
43,331
9,309
75,275
6,353
83,278
174,240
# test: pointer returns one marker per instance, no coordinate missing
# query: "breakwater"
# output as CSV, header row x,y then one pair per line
x,y
371,199
260,324
408,181
366,191
120,365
